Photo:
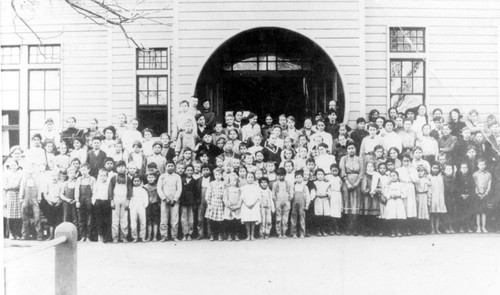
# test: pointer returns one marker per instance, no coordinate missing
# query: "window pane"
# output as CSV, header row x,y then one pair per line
x,y
10,55
404,102
162,83
143,86
44,54
36,100
37,118
52,99
10,80
152,84
395,69
52,80
395,85
143,98
406,39
419,68
407,85
418,85
162,98
153,98
152,59
37,80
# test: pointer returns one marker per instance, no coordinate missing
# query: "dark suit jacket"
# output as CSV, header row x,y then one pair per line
x,y
96,162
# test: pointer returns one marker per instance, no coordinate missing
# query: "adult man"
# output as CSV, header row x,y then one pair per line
x,y
209,115
169,191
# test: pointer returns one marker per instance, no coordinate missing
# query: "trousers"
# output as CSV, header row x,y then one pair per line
x,y
119,223
138,215
266,224
187,220
169,219
31,204
282,214
202,208
298,216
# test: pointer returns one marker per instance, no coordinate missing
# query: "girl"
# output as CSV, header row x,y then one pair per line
x,y
16,154
335,197
395,207
248,161
266,208
392,113
108,144
423,193
321,202
256,140
421,119
250,209
352,171
215,205
482,183
251,129
408,176
122,127
71,132
50,133
233,137
287,145
340,148
437,205
68,197
373,115
456,123
242,176
393,153
300,158
449,198
187,202
324,160
131,135
61,161
78,150
378,155
52,208
464,183
418,161
369,143
153,210
292,132
370,206
11,186
118,153
232,208
287,156
92,131
167,151
259,160
50,156
138,204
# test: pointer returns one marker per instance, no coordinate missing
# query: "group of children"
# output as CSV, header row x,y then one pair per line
x,y
401,175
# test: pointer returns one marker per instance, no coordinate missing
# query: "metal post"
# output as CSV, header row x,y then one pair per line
x,y
66,260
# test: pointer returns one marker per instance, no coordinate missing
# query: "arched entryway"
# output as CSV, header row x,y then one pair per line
x,y
271,70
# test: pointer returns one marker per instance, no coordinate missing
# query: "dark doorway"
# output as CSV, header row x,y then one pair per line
x,y
270,70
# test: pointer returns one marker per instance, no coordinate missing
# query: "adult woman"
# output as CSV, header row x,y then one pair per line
x,y
292,132
421,119
408,176
16,154
252,128
456,123
393,153
307,129
352,171
392,113
429,144
373,115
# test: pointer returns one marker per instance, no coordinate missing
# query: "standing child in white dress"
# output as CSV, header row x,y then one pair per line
x,y
250,209
232,208
335,196
423,191
322,202
437,204
395,208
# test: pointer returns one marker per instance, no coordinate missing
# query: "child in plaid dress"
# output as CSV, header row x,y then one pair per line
x,y
266,208
12,183
250,210
215,206
232,208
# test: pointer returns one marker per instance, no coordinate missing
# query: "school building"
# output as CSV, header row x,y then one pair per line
x,y
280,56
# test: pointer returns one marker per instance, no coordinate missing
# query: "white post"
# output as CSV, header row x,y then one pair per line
x,y
66,260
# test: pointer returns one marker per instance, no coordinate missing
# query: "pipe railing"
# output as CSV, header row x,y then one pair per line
x,y
65,243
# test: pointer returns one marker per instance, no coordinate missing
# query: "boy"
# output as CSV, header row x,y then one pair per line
x,y
230,124
266,208
166,150
201,203
96,157
437,132
272,153
209,148
218,133
138,205
358,134
102,208
84,187
169,191
120,193
157,157
482,182
35,156
187,201
290,169
282,195
138,158
153,209
300,202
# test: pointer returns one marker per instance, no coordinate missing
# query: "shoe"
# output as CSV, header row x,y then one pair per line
x,y
294,236
318,234
461,231
229,239
184,239
144,240
280,236
114,240
189,238
393,235
124,241
399,235
485,231
164,239
176,240
266,237
284,237
302,237
135,241
236,238
452,231
39,239
211,238
199,237
220,238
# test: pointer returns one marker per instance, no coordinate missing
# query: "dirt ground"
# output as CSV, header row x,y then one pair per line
x,y
437,264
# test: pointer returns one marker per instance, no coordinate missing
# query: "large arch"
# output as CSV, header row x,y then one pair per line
x,y
271,70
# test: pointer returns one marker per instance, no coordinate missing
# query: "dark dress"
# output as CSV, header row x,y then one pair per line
x,y
464,185
449,194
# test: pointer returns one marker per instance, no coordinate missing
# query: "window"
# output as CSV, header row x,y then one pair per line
x,y
265,62
44,54
10,55
152,90
44,98
407,39
407,83
154,58
10,108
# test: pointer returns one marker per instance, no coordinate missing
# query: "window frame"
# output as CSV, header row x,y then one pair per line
x,y
398,28
30,62
151,106
3,63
